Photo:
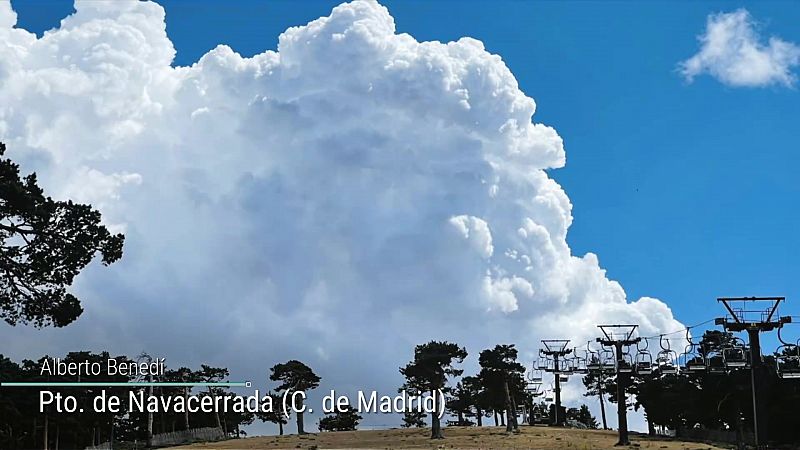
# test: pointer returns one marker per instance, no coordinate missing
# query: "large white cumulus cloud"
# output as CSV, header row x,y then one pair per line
x,y
339,200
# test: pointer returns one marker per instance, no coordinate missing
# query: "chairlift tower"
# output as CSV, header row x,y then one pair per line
x,y
557,349
754,322
619,337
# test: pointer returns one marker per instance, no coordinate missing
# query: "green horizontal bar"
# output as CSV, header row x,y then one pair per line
x,y
117,383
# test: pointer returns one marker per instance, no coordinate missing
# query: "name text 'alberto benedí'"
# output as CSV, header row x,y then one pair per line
x,y
57,367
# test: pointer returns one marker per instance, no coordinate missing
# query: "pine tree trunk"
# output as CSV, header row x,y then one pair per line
x,y
44,434
479,417
495,418
509,412
436,426
280,428
602,406
186,410
515,422
216,413
300,429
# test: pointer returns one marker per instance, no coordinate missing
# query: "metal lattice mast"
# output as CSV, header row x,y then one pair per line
x,y
619,341
742,320
557,349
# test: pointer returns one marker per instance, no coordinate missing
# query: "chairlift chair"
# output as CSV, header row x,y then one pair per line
x,y
736,355
534,375
787,359
579,363
592,359
667,358
644,361
544,363
534,389
692,360
715,362
625,363
608,363
565,366
666,362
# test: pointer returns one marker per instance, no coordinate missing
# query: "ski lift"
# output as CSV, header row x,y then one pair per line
x,y
592,359
667,358
625,363
715,363
562,378
693,360
735,355
534,389
608,363
549,397
643,361
565,366
787,359
534,375
543,363
578,363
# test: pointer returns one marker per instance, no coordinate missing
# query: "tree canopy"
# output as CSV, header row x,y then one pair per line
x,y
295,376
430,369
343,419
45,244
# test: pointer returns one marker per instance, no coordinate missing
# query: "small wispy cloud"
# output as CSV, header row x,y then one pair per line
x,y
733,52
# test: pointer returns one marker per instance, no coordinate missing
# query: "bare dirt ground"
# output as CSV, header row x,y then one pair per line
x,y
455,437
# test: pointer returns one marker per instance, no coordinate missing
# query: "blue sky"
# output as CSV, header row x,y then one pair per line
x,y
686,191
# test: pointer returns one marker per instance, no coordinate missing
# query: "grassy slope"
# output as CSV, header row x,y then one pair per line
x,y
456,437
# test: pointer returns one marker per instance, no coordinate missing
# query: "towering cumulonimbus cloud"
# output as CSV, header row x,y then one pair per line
x,y
338,201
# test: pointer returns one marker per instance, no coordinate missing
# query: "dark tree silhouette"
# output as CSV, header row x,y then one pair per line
x,y
428,372
583,416
45,244
598,384
344,419
412,417
461,404
277,415
295,377
210,374
501,361
476,393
